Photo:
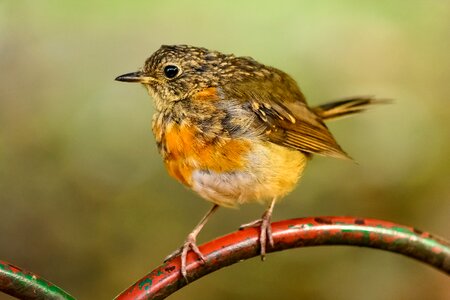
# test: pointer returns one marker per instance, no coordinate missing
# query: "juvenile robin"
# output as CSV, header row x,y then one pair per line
x,y
234,130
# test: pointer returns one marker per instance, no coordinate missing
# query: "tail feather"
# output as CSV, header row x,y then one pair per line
x,y
345,107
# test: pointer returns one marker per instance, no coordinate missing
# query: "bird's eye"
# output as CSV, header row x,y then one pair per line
x,y
171,71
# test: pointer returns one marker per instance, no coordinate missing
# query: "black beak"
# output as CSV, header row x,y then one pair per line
x,y
131,77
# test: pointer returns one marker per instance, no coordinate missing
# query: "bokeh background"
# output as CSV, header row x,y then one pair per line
x,y
85,200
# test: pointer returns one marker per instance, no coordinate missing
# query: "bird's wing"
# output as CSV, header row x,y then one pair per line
x,y
289,122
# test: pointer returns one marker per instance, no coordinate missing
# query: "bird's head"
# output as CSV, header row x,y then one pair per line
x,y
174,73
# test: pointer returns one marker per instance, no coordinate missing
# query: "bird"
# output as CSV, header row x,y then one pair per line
x,y
234,130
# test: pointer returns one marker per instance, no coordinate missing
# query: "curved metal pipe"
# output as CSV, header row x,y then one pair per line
x,y
26,285
241,245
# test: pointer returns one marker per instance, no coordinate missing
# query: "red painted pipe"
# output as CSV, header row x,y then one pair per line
x,y
241,245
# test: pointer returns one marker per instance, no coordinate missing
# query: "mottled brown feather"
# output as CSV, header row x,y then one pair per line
x,y
289,122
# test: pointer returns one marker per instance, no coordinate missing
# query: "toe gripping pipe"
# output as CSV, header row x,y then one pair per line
x,y
241,245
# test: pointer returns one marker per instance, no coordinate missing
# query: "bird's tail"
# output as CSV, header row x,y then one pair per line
x,y
345,107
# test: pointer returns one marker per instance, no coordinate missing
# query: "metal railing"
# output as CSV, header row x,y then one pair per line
x,y
243,244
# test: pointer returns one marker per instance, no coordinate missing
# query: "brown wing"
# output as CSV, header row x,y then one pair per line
x,y
281,107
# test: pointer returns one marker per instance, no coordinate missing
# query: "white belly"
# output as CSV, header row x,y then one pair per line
x,y
271,172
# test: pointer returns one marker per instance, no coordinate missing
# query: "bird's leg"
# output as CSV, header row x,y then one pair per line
x,y
190,242
265,228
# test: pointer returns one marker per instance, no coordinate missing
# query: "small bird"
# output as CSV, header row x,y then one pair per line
x,y
234,130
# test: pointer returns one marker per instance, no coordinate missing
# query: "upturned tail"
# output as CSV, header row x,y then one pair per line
x,y
345,107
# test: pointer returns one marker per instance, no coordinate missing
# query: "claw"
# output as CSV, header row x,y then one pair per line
x,y
265,234
265,229
173,254
190,244
256,223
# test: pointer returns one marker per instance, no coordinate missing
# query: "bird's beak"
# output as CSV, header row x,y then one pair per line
x,y
134,77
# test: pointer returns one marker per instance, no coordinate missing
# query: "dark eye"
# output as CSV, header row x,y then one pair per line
x,y
171,71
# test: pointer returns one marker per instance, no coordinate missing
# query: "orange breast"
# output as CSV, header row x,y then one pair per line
x,y
187,151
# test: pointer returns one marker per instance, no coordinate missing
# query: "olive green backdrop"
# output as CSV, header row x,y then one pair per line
x,y
85,200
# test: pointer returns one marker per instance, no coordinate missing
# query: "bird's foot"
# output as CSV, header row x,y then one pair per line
x,y
189,244
265,231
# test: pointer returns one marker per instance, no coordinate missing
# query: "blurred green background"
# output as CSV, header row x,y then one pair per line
x,y
85,200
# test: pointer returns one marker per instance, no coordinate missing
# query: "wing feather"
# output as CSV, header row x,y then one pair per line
x,y
281,107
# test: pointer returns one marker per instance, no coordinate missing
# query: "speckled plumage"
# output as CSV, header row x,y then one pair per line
x,y
232,129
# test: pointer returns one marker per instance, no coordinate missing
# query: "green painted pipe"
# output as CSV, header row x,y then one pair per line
x,y
26,285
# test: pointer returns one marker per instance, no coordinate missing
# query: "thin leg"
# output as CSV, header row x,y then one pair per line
x,y
190,242
266,230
